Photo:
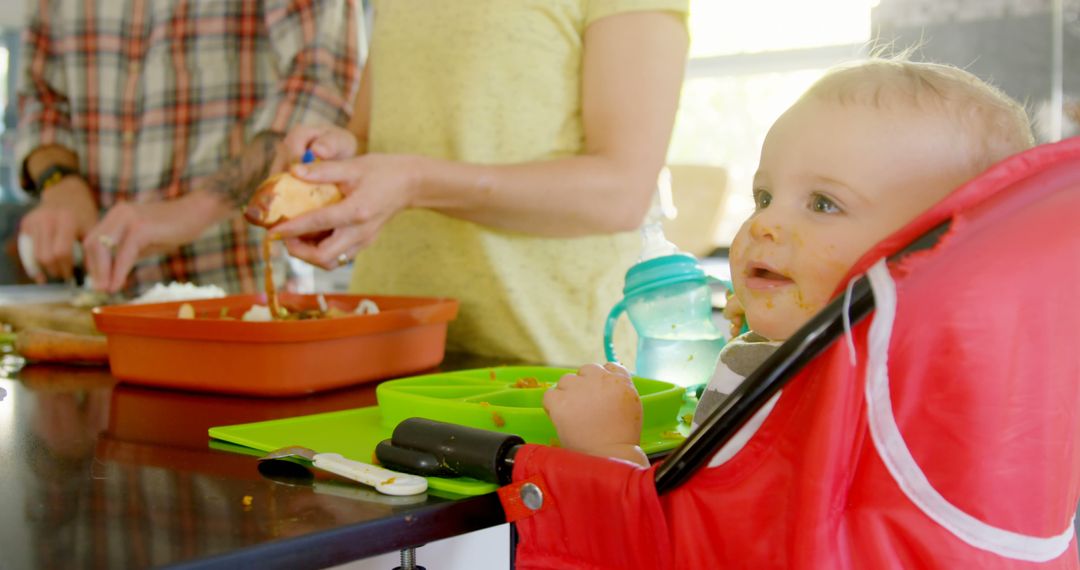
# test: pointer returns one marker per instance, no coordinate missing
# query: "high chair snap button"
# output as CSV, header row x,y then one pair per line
x,y
532,497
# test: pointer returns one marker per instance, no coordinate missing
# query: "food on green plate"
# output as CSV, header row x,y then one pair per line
x,y
530,382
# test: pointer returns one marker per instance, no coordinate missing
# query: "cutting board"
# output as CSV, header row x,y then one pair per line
x,y
352,433
487,398
52,316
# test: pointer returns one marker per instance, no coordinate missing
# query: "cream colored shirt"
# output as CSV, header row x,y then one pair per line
x,y
493,82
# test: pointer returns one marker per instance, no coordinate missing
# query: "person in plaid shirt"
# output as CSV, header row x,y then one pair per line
x,y
165,116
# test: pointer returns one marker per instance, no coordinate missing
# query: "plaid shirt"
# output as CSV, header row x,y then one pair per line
x,y
154,95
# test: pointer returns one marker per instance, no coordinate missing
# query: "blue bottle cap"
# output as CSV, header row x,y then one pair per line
x,y
661,272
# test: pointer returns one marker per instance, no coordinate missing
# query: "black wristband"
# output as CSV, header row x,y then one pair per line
x,y
52,174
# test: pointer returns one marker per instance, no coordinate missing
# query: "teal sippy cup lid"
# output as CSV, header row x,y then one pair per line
x,y
662,271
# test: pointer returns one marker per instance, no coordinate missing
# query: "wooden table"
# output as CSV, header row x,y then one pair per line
x,y
97,474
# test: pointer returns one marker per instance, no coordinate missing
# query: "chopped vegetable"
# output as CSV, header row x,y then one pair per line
x,y
258,314
186,311
367,307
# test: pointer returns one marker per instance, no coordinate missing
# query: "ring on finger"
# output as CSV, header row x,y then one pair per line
x,y
108,241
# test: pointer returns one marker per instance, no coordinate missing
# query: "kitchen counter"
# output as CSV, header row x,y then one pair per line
x,y
98,474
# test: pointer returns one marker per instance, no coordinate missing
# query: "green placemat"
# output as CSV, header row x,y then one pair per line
x,y
469,397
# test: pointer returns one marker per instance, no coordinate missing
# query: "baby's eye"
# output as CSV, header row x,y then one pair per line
x,y
822,204
762,199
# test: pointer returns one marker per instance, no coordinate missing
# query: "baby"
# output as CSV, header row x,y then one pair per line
x,y
863,152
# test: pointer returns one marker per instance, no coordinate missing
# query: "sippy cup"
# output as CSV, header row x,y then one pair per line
x,y
667,297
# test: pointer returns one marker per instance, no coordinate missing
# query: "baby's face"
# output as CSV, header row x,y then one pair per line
x,y
834,179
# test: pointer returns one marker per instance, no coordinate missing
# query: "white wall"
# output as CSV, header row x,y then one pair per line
x,y
13,13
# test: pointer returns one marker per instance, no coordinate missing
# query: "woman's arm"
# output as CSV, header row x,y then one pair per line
x,y
633,69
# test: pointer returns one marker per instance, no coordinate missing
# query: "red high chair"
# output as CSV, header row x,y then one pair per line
x,y
947,439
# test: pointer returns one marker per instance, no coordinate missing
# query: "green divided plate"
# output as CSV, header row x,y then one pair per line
x,y
507,399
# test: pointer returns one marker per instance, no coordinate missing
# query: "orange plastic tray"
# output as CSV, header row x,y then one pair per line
x,y
149,345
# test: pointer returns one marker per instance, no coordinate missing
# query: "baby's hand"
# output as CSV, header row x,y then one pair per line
x,y
598,411
734,313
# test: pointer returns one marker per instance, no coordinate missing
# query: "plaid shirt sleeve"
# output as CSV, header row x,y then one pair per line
x,y
44,110
318,64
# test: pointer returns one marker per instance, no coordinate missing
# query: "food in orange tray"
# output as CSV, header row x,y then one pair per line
x,y
283,197
186,311
262,313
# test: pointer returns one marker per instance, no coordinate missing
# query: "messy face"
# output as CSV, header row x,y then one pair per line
x,y
834,179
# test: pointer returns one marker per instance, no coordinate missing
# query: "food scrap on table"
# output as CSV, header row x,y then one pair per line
x,y
497,419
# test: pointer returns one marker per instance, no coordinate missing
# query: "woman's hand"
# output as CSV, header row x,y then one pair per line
x,y
376,187
598,411
327,142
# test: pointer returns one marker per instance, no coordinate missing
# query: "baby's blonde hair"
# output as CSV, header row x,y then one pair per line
x,y
995,124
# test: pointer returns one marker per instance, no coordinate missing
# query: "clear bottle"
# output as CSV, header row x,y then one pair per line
x,y
667,297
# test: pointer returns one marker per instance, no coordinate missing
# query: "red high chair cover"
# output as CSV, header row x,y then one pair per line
x,y
951,443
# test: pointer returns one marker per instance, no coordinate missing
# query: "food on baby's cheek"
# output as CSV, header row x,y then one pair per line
x,y
283,197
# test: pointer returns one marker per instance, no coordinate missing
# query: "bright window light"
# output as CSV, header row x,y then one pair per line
x,y
724,27
726,111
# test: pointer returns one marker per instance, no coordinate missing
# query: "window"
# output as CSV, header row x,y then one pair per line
x,y
748,62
